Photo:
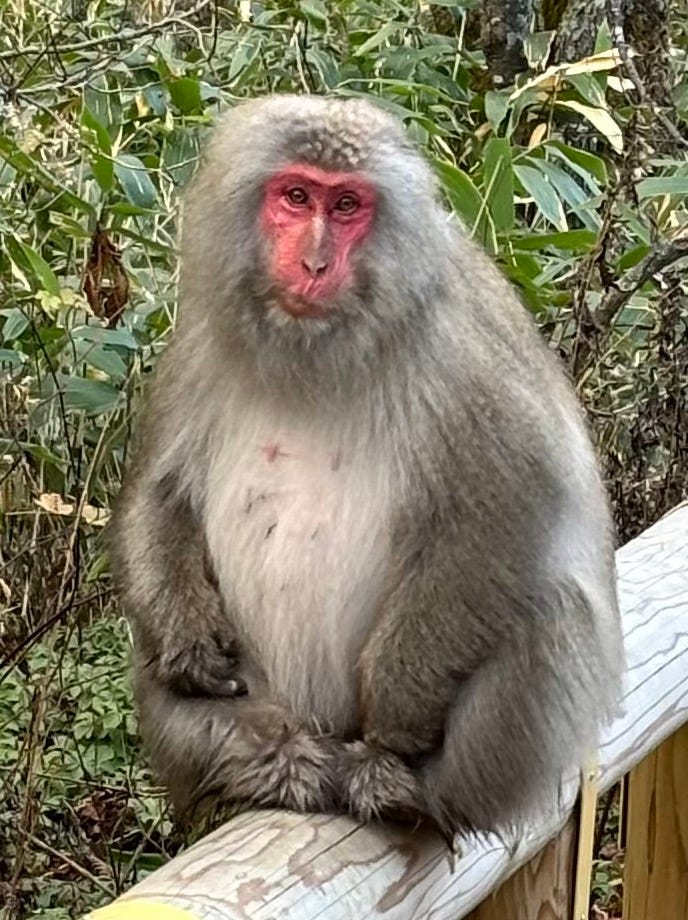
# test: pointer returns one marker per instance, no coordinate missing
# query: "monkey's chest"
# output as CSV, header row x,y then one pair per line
x,y
298,533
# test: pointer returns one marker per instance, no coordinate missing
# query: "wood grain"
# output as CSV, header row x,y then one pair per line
x,y
281,865
540,890
656,871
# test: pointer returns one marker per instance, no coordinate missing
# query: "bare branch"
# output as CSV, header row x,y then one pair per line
x,y
663,254
619,36
126,35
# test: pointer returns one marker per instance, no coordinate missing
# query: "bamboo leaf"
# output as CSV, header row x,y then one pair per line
x,y
599,118
135,181
542,193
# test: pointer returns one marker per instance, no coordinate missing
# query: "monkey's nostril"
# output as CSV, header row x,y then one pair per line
x,y
314,267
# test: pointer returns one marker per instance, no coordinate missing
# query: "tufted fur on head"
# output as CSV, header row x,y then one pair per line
x,y
222,245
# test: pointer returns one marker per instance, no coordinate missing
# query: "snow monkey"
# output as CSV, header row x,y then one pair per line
x,y
363,543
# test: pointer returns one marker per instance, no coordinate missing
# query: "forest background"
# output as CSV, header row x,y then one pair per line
x,y
559,133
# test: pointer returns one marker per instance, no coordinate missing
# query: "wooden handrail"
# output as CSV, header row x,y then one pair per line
x,y
274,864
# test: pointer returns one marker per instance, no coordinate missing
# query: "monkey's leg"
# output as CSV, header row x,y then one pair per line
x,y
169,591
215,753
505,728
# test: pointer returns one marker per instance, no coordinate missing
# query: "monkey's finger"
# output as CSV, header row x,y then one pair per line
x,y
222,685
231,688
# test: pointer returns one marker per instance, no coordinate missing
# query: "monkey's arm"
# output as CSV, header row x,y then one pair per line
x,y
169,590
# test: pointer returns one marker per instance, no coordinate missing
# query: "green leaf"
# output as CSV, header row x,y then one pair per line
x,y
69,226
387,31
135,181
314,10
10,358
662,185
243,55
27,166
604,40
96,131
588,86
99,335
15,323
90,396
601,119
496,107
102,359
32,267
9,446
180,154
126,209
591,168
498,183
632,256
186,94
542,193
155,96
569,240
104,102
103,170
537,47
571,192
467,202
325,65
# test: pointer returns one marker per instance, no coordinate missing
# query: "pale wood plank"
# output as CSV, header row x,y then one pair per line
x,y
540,890
656,869
280,865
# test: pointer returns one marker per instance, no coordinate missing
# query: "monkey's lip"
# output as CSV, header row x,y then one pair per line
x,y
301,308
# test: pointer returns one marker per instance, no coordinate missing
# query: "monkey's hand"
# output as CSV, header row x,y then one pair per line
x,y
407,741
205,666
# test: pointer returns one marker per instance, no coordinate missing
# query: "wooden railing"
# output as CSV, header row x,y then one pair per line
x,y
276,864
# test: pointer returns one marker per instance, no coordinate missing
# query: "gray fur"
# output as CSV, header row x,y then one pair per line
x,y
451,642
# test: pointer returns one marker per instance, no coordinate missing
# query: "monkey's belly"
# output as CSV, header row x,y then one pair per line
x,y
300,547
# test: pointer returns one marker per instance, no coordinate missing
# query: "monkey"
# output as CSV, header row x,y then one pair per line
x,y
363,541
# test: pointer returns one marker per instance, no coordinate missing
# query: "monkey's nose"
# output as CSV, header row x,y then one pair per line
x,y
314,267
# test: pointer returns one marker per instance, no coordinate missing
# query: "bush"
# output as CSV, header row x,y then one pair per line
x,y
105,109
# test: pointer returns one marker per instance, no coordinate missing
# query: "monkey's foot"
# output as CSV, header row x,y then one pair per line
x,y
378,784
295,771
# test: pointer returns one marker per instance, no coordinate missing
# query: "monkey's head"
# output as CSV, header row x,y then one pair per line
x,y
312,219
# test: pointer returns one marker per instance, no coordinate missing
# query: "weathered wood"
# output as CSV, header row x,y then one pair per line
x,y
656,871
555,884
540,890
281,865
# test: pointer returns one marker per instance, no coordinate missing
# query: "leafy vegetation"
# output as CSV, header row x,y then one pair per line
x,y
104,108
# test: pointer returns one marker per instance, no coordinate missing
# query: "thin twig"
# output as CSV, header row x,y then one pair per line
x,y
107,889
126,35
619,36
662,254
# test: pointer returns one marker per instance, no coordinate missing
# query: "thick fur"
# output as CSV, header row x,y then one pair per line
x,y
385,525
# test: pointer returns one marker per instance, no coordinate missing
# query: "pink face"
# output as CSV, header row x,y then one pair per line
x,y
314,220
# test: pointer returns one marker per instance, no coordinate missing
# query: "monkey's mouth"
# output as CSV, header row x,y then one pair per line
x,y
302,307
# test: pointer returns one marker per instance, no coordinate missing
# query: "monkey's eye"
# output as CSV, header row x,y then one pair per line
x,y
297,196
346,204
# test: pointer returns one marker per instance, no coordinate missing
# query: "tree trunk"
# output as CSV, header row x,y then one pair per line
x,y
646,29
578,28
505,25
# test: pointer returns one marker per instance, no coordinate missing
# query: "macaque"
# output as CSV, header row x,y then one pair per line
x,y
363,543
